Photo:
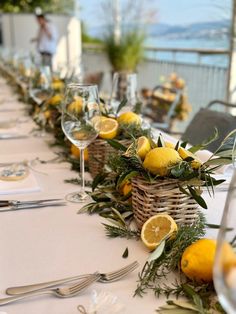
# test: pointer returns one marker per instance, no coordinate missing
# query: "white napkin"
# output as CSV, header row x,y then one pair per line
x,y
27,185
204,155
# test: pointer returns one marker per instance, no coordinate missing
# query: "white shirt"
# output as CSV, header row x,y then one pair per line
x,y
46,43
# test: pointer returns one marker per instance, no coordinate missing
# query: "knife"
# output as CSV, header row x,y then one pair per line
x,y
17,203
7,136
29,206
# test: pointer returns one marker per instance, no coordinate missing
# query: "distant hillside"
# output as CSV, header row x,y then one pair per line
x,y
217,29
196,30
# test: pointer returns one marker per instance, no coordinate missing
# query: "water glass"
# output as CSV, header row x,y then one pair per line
x,y
124,86
225,260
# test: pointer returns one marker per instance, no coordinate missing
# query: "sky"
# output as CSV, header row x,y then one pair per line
x,y
175,12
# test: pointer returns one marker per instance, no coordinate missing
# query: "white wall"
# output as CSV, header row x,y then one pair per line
x,y
18,29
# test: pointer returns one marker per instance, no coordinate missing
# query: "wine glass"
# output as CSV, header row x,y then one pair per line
x,y
225,259
80,123
124,86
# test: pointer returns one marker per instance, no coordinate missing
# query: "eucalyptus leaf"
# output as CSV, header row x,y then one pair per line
x,y
126,177
121,105
117,145
157,252
216,161
98,179
183,304
197,197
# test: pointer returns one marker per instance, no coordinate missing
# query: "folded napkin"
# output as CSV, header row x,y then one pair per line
x,y
27,185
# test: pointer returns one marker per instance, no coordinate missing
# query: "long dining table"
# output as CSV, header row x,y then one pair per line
x,y
50,243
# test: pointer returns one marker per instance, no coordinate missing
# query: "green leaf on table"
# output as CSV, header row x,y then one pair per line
x,y
117,145
126,253
158,251
182,304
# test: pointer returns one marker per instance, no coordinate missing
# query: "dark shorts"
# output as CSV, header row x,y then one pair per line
x,y
46,58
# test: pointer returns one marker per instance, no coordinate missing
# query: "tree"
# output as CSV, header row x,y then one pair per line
x,y
55,6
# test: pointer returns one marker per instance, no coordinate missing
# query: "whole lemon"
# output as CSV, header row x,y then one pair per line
x,y
127,188
129,118
159,159
198,259
56,99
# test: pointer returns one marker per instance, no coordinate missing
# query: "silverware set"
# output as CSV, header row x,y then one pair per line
x,y
8,205
22,292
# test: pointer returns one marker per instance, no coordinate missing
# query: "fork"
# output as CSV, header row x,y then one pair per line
x,y
104,277
63,292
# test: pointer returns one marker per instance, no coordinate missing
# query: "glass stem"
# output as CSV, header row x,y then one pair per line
x,y
82,170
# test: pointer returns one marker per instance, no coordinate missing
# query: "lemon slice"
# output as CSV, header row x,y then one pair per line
x,y
143,146
108,128
184,153
98,119
156,229
129,118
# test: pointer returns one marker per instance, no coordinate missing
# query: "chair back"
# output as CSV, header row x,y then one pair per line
x,y
205,122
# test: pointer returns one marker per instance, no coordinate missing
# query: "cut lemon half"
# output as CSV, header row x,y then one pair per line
x,y
156,229
108,128
143,146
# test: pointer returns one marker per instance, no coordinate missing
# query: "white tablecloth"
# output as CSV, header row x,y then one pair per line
x,y
50,243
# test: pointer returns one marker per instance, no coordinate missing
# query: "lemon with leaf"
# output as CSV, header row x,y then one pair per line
x,y
195,162
160,159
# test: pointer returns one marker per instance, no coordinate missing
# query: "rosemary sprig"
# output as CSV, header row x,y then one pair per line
x,y
78,181
114,232
169,259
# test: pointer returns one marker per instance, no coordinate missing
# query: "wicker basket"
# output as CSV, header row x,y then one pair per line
x,y
151,198
99,151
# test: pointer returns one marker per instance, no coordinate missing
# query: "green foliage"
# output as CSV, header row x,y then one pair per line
x,y
126,55
169,260
50,6
86,38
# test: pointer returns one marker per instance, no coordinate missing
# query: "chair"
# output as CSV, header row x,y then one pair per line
x,y
206,120
160,107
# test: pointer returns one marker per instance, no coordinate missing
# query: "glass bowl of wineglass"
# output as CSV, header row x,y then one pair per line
x,y
225,259
81,123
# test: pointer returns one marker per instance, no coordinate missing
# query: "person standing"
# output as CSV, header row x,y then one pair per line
x,y
46,39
